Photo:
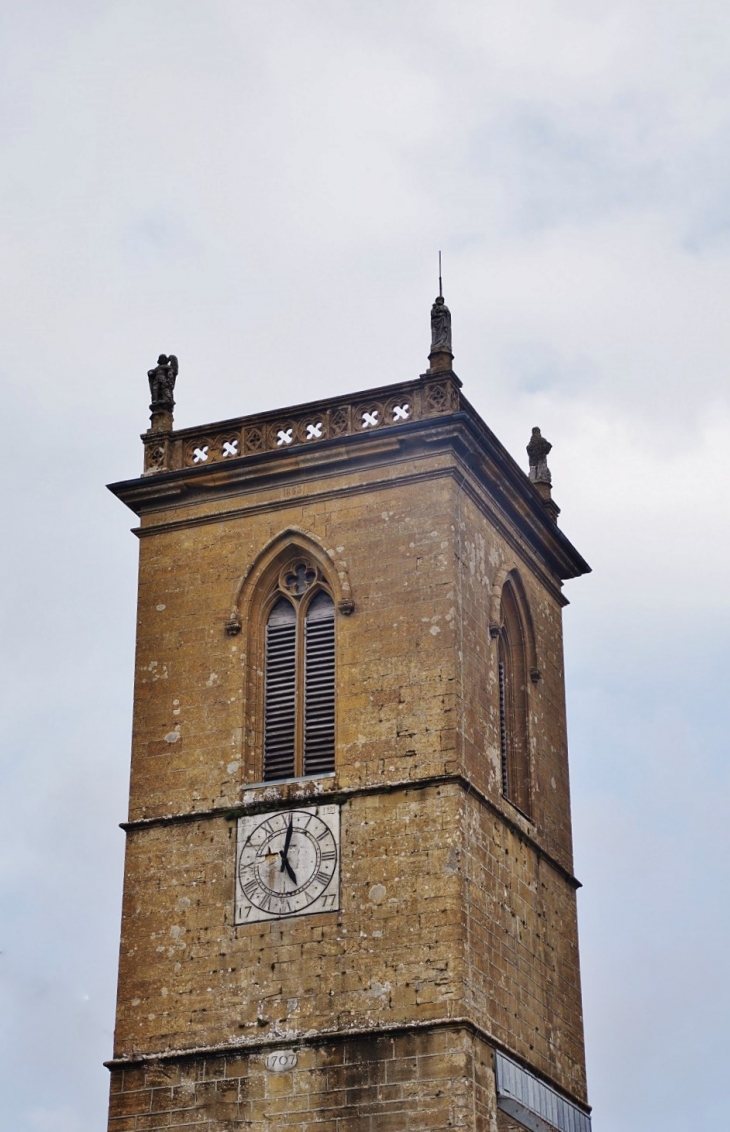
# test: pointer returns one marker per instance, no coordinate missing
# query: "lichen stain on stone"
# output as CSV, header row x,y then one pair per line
x,y
153,668
377,894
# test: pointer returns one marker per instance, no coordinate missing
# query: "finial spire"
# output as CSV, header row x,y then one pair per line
x,y
441,355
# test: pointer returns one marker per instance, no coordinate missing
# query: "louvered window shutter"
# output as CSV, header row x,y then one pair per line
x,y
503,740
319,686
280,692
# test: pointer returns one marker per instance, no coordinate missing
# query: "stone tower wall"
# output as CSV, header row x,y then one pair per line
x,y
192,742
456,931
392,954
522,942
486,557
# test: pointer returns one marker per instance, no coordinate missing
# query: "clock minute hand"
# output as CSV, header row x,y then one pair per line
x,y
284,853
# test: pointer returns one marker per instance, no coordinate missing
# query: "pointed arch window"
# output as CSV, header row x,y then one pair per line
x,y
299,676
513,729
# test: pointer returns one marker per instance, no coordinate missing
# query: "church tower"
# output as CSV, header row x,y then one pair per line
x,y
349,900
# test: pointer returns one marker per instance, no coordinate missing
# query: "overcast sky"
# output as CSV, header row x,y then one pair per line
x,y
262,188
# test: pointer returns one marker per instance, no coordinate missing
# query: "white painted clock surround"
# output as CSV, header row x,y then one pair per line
x,y
266,889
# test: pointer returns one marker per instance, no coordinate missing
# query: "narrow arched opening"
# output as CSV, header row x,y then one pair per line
x,y
299,674
513,703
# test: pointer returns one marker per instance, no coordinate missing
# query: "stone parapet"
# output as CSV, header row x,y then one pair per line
x,y
310,424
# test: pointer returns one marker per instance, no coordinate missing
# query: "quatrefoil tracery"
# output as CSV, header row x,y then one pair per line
x,y
298,577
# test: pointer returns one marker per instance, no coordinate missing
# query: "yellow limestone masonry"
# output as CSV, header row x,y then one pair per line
x,y
456,932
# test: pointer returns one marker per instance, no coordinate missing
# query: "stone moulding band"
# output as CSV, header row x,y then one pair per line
x,y
343,794
488,472
488,508
323,1037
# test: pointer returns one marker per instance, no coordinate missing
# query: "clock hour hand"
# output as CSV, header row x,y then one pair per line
x,y
284,853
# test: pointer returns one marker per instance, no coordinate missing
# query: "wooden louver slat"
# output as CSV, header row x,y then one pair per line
x,y
280,692
503,741
319,686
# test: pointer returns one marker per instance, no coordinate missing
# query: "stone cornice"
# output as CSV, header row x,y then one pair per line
x,y
440,418
288,1040
321,488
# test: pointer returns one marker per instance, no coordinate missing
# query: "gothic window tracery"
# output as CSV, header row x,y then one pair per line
x,y
299,675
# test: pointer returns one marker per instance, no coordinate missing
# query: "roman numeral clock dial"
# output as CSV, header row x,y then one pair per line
x,y
288,864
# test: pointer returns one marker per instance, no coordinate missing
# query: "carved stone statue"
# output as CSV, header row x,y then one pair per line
x,y
537,452
162,382
440,327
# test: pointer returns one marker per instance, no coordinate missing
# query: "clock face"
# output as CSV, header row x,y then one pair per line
x,y
288,864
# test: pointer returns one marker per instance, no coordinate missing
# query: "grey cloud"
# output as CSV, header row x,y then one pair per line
x,y
262,190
